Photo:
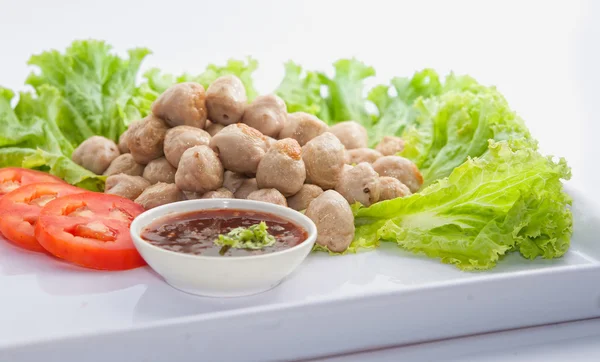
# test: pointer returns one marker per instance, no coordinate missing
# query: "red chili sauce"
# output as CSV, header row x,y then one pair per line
x,y
195,232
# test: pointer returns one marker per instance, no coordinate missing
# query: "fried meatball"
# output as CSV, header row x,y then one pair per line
x,y
267,114
125,186
324,160
124,164
159,194
302,198
358,155
333,217
246,188
159,170
145,139
240,148
123,142
221,193
390,145
96,154
359,184
268,195
182,104
226,100
390,188
180,138
199,170
351,134
232,181
282,168
213,128
302,127
401,169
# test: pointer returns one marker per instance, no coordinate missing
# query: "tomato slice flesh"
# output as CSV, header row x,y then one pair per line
x,y
11,178
91,230
20,209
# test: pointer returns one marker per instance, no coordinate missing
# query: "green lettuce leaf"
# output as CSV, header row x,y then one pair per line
x,y
511,198
302,92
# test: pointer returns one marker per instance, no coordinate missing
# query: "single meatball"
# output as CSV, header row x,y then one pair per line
x,y
182,104
232,181
240,148
199,170
267,114
124,164
302,199
145,139
324,160
358,155
213,128
159,170
390,145
123,142
246,188
96,154
333,217
226,100
351,134
390,188
302,127
159,194
125,186
359,184
282,168
221,193
401,169
268,195
180,138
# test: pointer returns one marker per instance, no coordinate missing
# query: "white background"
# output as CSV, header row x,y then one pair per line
x,y
543,55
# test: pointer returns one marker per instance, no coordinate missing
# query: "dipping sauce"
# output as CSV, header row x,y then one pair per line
x,y
195,232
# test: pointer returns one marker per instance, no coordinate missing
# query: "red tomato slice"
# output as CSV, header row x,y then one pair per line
x,y
11,178
91,230
19,211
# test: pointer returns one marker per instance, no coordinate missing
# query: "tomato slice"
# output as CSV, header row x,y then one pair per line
x,y
90,229
19,211
11,178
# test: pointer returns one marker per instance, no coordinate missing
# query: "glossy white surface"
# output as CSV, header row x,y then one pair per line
x,y
222,276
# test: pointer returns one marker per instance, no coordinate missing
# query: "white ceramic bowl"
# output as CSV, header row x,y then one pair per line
x,y
218,276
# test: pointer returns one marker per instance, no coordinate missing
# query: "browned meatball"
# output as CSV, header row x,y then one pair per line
x,y
390,145
145,139
180,138
267,114
182,104
124,164
199,170
333,217
125,186
225,100
96,154
359,184
246,188
159,194
159,170
390,188
351,134
358,155
302,198
282,168
324,160
221,193
401,169
213,128
302,127
268,195
123,142
232,181
240,148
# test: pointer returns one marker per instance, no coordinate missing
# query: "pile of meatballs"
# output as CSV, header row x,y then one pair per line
x,y
212,143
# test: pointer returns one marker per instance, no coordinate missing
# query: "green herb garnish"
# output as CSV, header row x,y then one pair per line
x,y
252,237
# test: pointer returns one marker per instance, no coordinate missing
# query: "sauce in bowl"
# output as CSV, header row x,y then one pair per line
x,y
195,232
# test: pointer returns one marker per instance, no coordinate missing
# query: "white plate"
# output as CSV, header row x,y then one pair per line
x,y
53,311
